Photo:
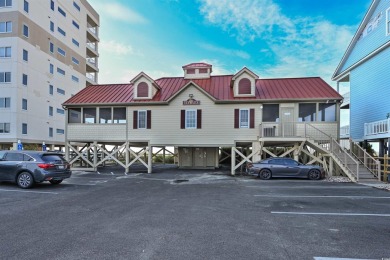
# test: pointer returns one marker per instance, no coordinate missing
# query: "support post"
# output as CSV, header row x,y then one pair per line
x,y
127,159
330,166
164,155
233,158
95,159
150,155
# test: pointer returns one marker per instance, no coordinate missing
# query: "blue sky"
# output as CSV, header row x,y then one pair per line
x,y
273,38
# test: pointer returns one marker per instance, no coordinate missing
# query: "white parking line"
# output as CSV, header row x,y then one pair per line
x,y
330,214
28,191
336,258
322,196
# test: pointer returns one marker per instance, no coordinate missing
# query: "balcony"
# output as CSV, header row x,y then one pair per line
x,y
377,130
92,65
92,33
92,49
317,131
344,132
91,78
346,101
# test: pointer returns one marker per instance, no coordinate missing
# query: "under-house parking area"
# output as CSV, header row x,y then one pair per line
x,y
193,214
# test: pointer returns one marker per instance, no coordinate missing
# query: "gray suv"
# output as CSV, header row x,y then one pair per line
x,y
29,167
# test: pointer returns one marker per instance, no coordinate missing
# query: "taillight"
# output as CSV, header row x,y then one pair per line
x,y
46,165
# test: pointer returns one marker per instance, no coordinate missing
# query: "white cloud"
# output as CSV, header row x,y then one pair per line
x,y
119,12
116,48
302,46
225,51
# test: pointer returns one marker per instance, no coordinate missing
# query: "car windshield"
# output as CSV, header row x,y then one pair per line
x,y
53,158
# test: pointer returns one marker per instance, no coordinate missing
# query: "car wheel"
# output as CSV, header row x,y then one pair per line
x,y
25,180
314,174
265,174
55,182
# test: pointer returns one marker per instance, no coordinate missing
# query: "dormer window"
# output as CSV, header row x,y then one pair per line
x,y
244,83
190,71
142,90
244,87
202,71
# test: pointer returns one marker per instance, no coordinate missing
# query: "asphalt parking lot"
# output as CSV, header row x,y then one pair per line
x,y
175,214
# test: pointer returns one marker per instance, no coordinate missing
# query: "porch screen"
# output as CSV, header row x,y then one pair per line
x,y
74,115
307,112
327,112
271,113
89,115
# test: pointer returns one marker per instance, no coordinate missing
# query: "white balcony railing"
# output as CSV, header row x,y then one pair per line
x,y
93,30
92,45
347,98
91,76
344,131
376,128
92,61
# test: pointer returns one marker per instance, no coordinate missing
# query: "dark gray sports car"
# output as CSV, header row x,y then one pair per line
x,y
284,167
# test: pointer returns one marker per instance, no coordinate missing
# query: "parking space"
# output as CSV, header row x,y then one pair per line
x,y
205,214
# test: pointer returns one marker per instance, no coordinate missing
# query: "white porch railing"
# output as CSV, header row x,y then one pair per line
x,y
378,127
344,132
323,134
366,159
91,76
300,129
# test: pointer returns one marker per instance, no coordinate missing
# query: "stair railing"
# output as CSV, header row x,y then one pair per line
x,y
365,158
331,145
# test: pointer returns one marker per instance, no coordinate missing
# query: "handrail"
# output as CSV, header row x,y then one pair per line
x,y
348,161
309,131
365,158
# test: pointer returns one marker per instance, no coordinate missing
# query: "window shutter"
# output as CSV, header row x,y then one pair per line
x,y
244,86
183,119
252,118
236,118
149,119
135,119
199,118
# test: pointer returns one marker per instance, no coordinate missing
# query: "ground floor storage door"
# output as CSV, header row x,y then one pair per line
x,y
198,157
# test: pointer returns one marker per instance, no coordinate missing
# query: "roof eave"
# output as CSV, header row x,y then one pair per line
x,y
355,38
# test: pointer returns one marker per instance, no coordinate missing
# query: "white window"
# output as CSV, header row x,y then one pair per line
x,y
5,128
190,119
244,118
75,42
24,104
24,129
75,79
5,3
25,30
60,91
76,6
5,77
61,71
388,21
141,119
75,24
50,111
26,6
75,61
5,27
5,102
61,51
60,131
61,31
60,111
5,52
25,55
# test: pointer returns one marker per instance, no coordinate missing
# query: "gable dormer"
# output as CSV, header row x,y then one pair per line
x,y
144,86
244,83
198,70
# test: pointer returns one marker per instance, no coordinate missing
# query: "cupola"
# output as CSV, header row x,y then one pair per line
x,y
198,70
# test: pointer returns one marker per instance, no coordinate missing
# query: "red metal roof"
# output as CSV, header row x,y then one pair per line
x,y
219,87
197,65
